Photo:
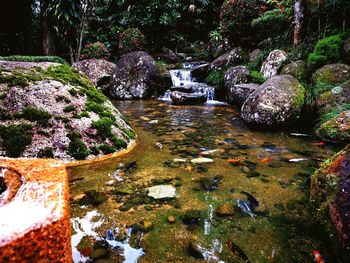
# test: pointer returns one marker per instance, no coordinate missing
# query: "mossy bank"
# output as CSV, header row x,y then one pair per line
x,y
49,110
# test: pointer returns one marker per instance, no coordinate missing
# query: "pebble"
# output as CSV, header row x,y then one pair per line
x,y
171,219
225,209
245,169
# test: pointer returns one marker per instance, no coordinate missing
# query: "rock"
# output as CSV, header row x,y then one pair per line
x,y
245,169
125,190
195,250
337,129
99,71
99,253
236,75
200,72
92,197
171,219
225,209
239,93
231,57
296,69
168,55
162,191
55,112
333,98
330,193
202,160
183,98
276,102
209,184
332,74
254,55
273,63
346,50
191,217
184,89
135,77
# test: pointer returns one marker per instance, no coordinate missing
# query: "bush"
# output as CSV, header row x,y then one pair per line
x,y
327,50
15,138
34,59
95,50
131,39
215,78
77,148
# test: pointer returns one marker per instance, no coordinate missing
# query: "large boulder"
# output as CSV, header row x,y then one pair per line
x,y
337,129
276,102
332,74
238,94
200,72
333,98
135,77
232,57
330,195
296,69
273,63
254,55
54,112
168,55
99,71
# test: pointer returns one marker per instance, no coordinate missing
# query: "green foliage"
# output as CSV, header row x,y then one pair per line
x,y
118,143
131,39
131,135
107,149
69,108
18,78
327,50
330,115
95,107
95,50
103,127
256,77
34,59
15,138
215,78
77,148
94,150
35,115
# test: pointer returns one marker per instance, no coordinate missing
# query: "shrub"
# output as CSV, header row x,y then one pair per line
x,y
95,50
34,59
35,115
77,148
215,77
327,50
15,138
131,39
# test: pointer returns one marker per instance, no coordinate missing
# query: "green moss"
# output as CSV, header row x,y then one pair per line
x,y
95,107
77,148
85,114
131,135
256,77
103,127
300,98
215,77
43,133
118,143
107,149
15,138
69,108
327,50
34,59
330,115
35,115
94,150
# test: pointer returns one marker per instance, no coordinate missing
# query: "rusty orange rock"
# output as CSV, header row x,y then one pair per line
x,y
34,209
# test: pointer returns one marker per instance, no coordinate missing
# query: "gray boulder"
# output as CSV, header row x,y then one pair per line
x,y
238,94
296,69
273,63
99,71
332,74
276,102
135,77
184,98
231,57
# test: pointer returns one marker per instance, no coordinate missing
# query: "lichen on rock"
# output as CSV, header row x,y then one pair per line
x,y
51,103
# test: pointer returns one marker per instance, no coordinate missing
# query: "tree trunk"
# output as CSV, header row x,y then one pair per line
x,y
80,40
298,20
48,35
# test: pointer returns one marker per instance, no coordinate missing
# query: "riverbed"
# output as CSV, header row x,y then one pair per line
x,y
273,167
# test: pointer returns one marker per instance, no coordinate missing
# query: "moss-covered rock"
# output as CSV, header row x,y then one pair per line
x,y
346,50
336,129
50,110
276,102
337,95
296,69
332,74
330,193
273,63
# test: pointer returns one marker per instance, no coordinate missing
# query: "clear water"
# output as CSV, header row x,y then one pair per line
x,y
284,230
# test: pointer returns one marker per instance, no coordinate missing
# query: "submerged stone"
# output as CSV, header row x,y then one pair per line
x,y
162,191
225,210
202,160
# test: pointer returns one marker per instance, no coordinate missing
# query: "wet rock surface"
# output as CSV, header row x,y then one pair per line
x,y
238,93
296,69
273,63
231,57
337,129
184,98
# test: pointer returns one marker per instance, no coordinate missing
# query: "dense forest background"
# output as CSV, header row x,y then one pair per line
x,y
108,28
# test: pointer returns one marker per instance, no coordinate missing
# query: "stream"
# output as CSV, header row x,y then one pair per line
x,y
202,222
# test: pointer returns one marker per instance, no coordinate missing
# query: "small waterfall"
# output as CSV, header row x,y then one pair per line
x,y
183,78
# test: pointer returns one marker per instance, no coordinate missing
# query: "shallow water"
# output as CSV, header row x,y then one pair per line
x,y
279,164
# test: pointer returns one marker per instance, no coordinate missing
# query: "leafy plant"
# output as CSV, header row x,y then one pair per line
x,y
77,147
15,138
215,77
131,39
35,115
256,77
95,50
